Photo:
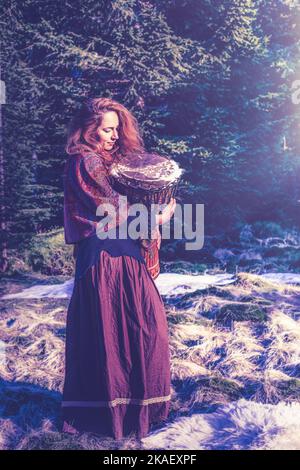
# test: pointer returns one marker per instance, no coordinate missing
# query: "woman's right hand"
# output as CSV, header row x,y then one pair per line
x,y
167,213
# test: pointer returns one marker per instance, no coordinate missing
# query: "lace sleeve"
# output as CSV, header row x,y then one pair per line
x,y
92,186
94,189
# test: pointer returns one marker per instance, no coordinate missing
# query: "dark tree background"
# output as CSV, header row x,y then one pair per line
x,y
209,82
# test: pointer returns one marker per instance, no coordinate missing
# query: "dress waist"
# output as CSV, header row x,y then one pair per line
x,y
89,248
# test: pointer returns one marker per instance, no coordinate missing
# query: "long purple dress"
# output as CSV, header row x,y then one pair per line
x,y
117,369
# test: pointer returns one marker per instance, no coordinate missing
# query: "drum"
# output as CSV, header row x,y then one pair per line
x,y
147,178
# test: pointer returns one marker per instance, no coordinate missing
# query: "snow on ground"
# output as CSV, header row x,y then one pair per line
x,y
282,278
241,425
168,284
39,291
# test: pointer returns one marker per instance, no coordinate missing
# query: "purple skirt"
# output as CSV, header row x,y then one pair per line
x,y
117,368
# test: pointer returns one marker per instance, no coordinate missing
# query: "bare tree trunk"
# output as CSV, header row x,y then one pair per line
x,y
3,244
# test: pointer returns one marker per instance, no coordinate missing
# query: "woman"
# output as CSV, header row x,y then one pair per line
x,y
117,370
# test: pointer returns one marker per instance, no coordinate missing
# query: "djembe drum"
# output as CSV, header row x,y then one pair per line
x,y
147,178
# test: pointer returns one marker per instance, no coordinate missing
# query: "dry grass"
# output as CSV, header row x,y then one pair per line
x,y
213,362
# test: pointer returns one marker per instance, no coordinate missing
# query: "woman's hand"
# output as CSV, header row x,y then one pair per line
x,y
167,213
157,236
160,219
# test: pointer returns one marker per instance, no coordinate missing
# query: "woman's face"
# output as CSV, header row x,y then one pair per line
x,y
108,130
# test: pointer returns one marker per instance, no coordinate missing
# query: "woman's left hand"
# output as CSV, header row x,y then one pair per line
x,y
155,235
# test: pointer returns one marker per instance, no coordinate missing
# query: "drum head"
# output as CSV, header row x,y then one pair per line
x,y
148,171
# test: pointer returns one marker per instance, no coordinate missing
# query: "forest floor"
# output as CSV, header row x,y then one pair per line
x,y
235,359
